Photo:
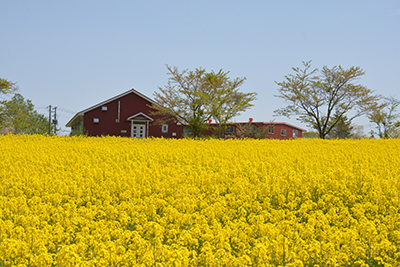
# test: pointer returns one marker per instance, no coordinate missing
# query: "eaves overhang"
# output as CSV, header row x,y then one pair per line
x,y
74,118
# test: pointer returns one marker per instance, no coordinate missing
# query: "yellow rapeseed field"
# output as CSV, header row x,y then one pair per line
x,y
76,201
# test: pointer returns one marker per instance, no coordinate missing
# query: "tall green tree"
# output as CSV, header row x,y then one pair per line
x,y
386,118
18,116
194,97
315,96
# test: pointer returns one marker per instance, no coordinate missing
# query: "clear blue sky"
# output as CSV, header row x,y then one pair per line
x,y
74,54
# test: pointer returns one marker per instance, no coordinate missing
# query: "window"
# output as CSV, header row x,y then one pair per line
x,y
104,108
164,128
96,120
186,131
252,129
230,129
283,132
295,133
271,129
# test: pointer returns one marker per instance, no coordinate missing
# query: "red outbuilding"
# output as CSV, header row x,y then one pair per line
x,y
130,114
261,129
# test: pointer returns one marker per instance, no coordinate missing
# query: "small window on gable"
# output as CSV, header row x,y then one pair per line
x,y
230,129
295,133
164,128
104,108
96,120
271,129
283,132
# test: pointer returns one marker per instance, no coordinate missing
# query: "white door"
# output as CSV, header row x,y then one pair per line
x,y
138,130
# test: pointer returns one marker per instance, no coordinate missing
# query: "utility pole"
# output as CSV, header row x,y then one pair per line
x,y
49,120
55,120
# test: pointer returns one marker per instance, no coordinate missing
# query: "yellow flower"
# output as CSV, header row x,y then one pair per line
x,y
76,201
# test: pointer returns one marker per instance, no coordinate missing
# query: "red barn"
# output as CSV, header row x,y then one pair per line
x,y
127,114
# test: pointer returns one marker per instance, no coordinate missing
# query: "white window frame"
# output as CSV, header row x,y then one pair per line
x,y
104,108
271,129
295,133
96,120
283,132
164,128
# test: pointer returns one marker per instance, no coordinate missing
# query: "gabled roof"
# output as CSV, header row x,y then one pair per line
x,y
140,114
82,112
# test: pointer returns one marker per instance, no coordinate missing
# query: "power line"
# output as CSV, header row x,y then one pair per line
x,y
66,110
59,108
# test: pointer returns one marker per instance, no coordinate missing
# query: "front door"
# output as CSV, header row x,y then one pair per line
x,y
139,130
